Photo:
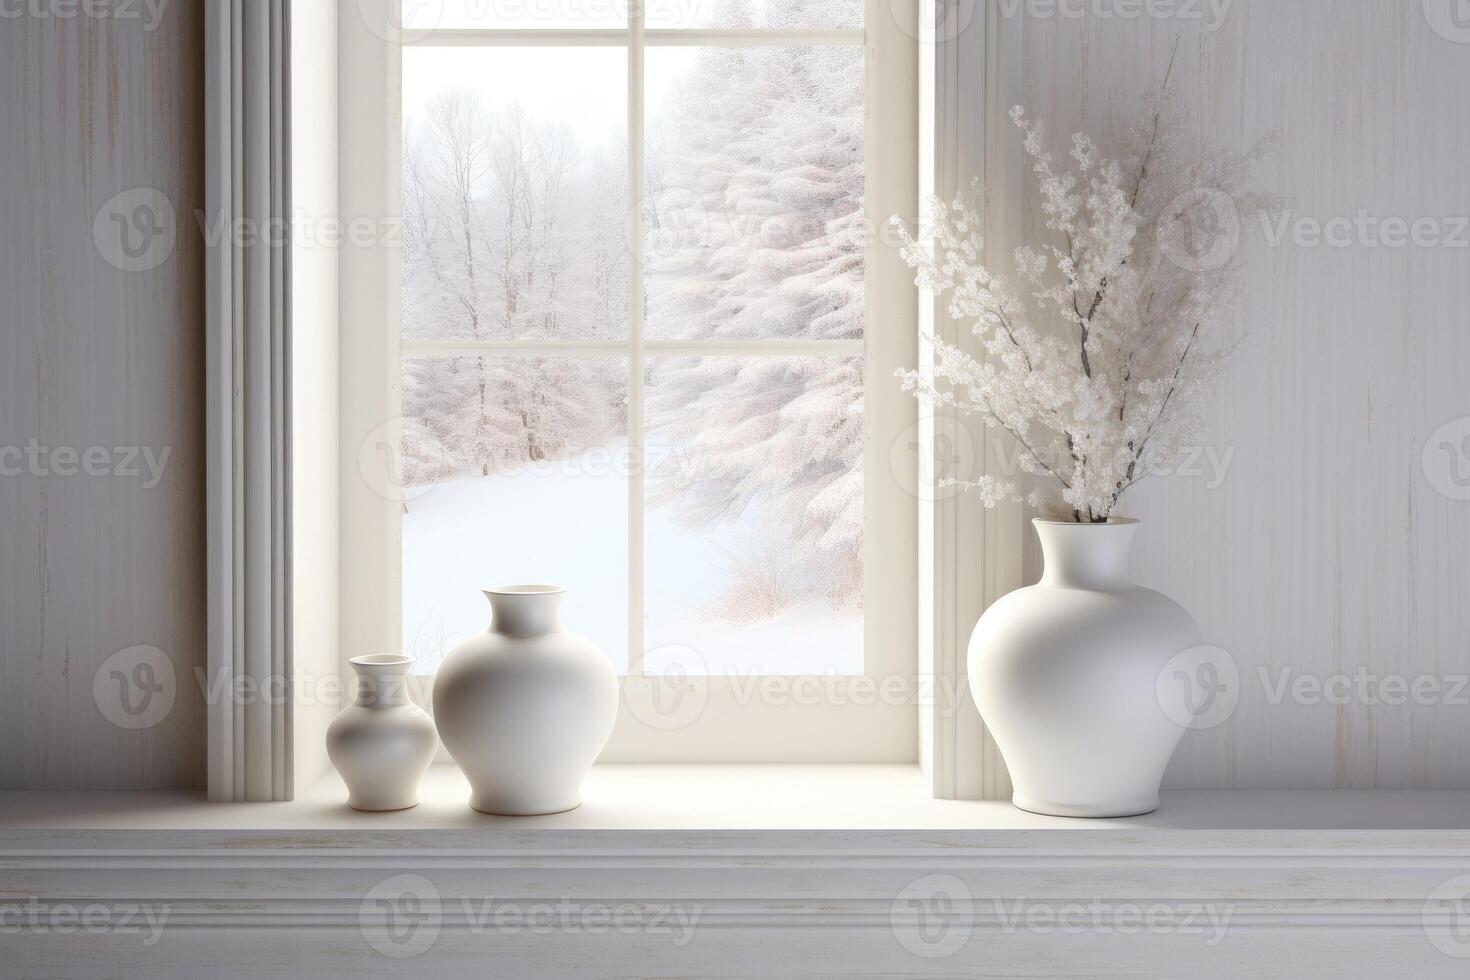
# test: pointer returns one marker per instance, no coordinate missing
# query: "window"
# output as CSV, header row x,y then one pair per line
x,y
635,355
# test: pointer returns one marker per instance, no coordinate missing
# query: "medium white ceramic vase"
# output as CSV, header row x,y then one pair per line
x,y
382,742
1066,676
526,707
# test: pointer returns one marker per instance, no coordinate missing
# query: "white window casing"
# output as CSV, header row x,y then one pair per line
x,y
969,556
247,409
751,719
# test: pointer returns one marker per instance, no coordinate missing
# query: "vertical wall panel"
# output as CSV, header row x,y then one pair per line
x,y
96,357
1326,551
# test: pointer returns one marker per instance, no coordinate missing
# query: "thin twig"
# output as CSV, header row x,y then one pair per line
x,y
1148,152
985,410
1148,433
1004,325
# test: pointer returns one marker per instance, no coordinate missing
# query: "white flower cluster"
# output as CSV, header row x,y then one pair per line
x,y
1094,349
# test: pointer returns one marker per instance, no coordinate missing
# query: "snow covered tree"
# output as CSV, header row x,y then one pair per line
x,y
516,230
757,227
497,210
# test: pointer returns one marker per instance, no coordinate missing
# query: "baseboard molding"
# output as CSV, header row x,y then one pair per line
x,y
735,903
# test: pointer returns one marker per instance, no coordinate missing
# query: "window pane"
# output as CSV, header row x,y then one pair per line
x,y
538,15
516,472
754,203
515,194
755,515
793,14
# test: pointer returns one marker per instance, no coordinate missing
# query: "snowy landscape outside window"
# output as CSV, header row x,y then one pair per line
x,y
638,241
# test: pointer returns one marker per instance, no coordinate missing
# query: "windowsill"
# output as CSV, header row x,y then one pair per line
x,y
834,855
759,798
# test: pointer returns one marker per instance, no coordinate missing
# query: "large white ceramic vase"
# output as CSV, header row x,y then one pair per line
x,y
382,743
1066,676
526,707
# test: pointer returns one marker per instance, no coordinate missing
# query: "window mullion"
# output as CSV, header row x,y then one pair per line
x,y
473,37
758,37
636,440
603,348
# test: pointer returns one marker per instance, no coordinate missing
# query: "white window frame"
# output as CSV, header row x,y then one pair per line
x,y
873,717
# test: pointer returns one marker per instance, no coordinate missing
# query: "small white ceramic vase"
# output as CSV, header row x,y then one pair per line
x,y
525,708
382,742
1066,676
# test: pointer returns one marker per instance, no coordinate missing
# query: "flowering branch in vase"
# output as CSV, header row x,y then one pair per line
x,y
1095,358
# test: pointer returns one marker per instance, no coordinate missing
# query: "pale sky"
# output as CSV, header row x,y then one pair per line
x,y
585,88
554,14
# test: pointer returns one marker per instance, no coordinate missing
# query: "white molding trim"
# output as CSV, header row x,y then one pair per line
x,y
1359,866
985,852
617,37
685,348
248,400
970,556
315,480
466,914
1312,903
369,309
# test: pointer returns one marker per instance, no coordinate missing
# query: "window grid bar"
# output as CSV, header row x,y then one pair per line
x,y
636,39
621,348
658,38
636,440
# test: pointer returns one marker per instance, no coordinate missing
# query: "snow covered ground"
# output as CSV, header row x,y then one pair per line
x,y
566,523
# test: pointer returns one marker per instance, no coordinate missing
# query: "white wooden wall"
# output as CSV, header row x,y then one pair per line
x,y
94,356
1325,549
